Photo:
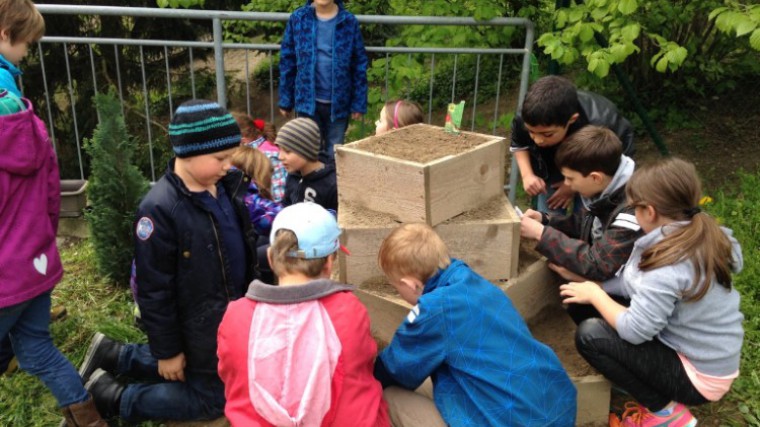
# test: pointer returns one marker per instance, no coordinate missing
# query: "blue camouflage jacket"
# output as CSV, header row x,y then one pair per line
x,y
298,64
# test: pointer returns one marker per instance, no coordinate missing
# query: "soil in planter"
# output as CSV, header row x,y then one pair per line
x,y
420,143
554,327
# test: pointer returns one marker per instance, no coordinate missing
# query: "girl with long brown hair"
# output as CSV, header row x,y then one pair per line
x,y
679,341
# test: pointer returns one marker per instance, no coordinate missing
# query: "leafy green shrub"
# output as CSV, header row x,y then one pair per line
x,y
114,190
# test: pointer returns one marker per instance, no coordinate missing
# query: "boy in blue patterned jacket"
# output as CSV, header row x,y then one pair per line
x,y
323,70
464,333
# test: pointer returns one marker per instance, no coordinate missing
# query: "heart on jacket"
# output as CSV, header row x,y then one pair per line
x,y
40,264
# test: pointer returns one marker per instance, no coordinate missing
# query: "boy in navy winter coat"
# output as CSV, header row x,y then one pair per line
x,y
194,253
464,333
323,70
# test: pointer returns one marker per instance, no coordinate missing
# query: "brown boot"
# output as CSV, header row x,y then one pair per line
x,y
82,414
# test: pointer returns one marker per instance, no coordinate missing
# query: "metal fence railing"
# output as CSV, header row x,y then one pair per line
x,y
63,99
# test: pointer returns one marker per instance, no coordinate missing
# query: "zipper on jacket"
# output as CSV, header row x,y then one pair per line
x,y
221,257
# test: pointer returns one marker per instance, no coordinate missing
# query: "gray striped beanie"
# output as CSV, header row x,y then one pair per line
x,y
301,136
200,127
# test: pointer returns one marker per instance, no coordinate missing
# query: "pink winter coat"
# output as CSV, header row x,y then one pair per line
x,y
29,203
299,356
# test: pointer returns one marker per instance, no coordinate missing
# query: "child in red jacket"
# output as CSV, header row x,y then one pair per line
x,y
282,348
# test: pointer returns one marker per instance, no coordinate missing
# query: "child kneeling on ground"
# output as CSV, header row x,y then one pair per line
x,y
487,369
679,342
300,353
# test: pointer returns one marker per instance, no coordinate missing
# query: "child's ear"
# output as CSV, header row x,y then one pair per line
x,y
269,255
573,118
328,267
413,284
597,177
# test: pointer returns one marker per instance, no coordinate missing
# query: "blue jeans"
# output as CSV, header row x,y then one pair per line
x,y
28,325
200,397
542,206
333,132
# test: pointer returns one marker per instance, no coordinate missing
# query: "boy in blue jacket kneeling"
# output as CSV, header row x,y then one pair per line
x,y
464,333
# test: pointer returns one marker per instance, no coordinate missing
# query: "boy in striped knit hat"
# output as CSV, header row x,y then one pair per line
x,y
194,253
309,180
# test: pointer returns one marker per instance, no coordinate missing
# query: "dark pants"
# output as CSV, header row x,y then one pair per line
x,y
651,372
6,353
200,397
333,132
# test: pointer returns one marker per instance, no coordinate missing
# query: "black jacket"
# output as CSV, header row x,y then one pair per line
x,y
182,269
593,109
319,187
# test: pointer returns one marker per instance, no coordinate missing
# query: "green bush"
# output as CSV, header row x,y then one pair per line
x,y
114,190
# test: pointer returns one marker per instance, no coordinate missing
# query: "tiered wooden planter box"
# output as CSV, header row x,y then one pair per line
x,y
461,196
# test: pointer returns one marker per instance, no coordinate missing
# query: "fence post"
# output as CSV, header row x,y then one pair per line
x,y
221,87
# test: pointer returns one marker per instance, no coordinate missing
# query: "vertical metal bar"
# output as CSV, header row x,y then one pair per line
x,y
73,110
21,84
475,94
432,80
387,70
247,86
271,87
47,98
118,78
192,72
94,79
498,92
454,78
524,77
408,80
221,87
147,115
168,83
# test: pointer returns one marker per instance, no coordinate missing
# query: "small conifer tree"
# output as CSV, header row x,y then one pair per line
x,y
114,190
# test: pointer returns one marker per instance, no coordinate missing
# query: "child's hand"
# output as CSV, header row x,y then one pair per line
x,y
172,369
562,197
566,274
534,185
534,214
356,116
580,292
285,113
530,228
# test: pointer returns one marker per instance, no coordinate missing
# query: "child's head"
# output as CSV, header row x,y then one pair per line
x,y
304,240
589,158
550,107
669,191
20,24
203,136
252,129
409,256
255,164
299,141
397,114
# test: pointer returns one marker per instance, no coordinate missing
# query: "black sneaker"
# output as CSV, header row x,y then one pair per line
x,y
106,393
102,354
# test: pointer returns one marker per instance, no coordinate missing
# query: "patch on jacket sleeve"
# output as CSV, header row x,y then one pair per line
x,y
412,316
144,228
625,220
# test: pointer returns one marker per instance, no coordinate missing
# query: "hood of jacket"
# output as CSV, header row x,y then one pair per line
x,y
22,136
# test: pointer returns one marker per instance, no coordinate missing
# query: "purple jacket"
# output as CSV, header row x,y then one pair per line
x,y
29,203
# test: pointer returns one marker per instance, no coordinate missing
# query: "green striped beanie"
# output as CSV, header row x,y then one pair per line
x,y
300,136
200,127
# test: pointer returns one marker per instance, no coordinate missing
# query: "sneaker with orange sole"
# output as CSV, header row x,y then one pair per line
x,y
636,415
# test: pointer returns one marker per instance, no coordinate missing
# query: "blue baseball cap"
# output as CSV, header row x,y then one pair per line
x,y
315,228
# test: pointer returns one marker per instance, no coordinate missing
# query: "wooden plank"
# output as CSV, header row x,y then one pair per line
x,y
483,238
458,184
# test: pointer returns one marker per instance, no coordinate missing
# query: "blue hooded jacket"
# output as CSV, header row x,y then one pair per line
x,y
298,64
486,367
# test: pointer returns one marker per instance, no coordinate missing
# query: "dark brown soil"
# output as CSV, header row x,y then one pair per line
x,y
420,143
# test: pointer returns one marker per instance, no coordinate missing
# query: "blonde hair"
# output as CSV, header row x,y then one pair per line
x,y
402,113
285,242
255,164
252,128
413,250
22,21
673,189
